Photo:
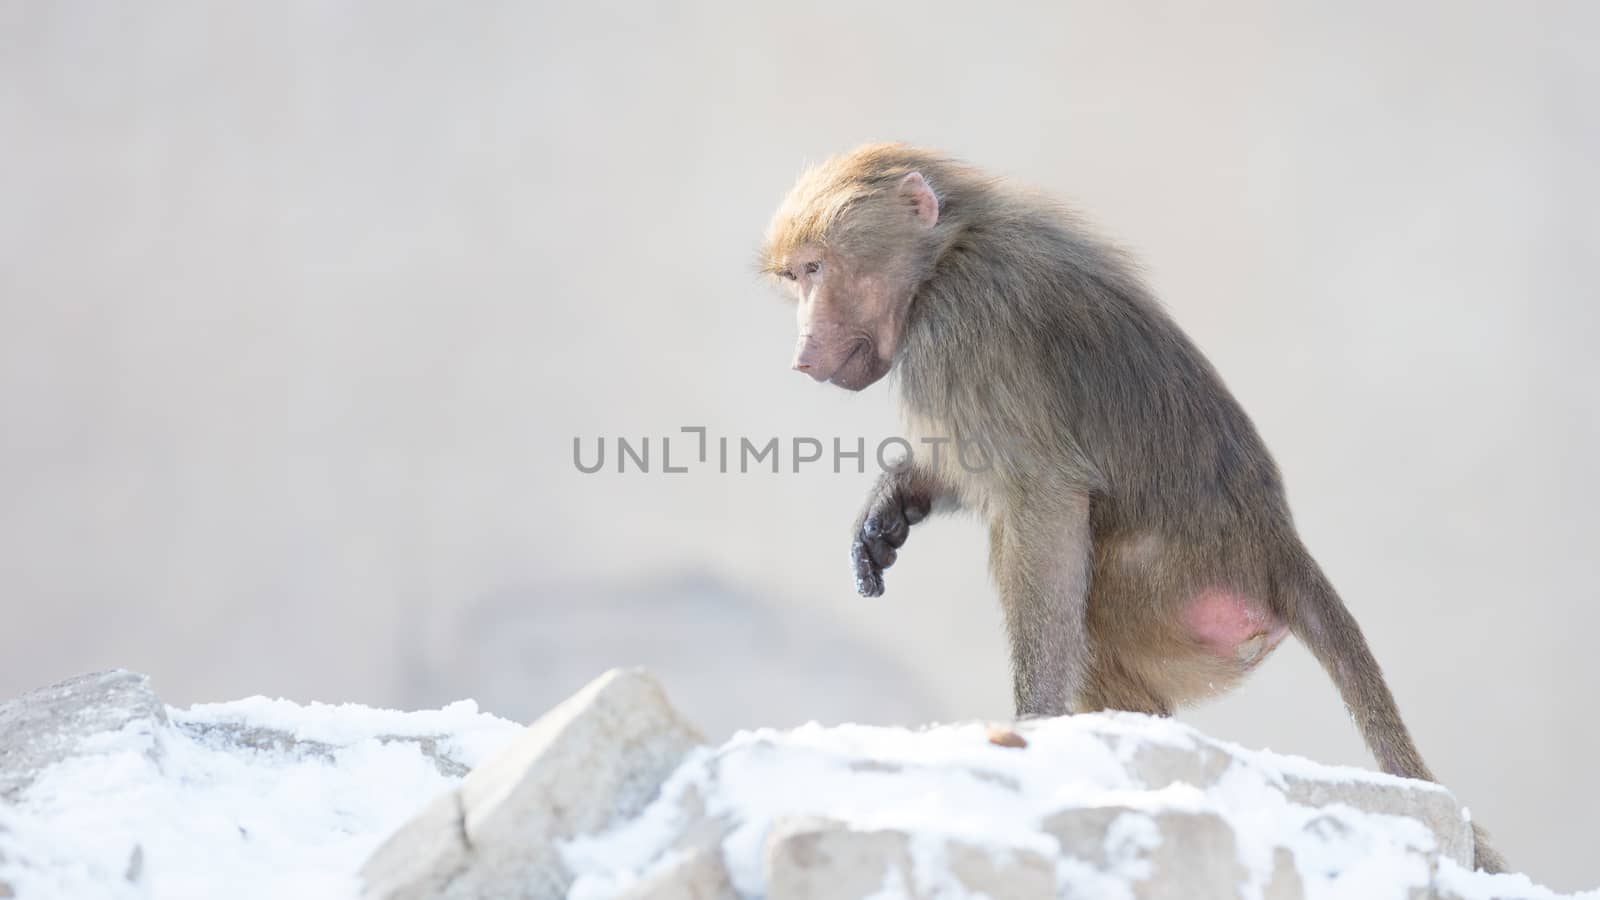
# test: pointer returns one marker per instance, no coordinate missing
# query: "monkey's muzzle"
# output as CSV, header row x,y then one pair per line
x,y
857,369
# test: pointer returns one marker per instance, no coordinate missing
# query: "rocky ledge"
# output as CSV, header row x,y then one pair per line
x,y
612,794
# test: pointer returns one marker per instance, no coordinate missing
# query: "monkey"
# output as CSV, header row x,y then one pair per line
x,y
1140,538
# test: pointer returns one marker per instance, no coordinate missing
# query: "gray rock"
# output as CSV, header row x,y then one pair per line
x,y
1285,883
593,761
1431,805
1157,765
135,870
1189,854
696,875
820,859
255,738
811,859
1014,875
50,724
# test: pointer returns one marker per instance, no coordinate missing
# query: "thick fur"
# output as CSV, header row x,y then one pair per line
x,y
1126,481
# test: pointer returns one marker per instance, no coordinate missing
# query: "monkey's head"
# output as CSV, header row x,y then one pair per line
x,y
851,244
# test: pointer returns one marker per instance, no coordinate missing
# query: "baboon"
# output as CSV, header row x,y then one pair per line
x,y
1138,531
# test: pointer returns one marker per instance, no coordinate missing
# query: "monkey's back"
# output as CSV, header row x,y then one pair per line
x,y
1035,334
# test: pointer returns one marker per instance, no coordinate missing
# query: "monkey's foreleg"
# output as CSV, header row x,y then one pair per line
x,y
1041,557
901,498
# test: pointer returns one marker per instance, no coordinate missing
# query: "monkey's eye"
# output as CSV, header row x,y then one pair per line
x,y
813,267
786,274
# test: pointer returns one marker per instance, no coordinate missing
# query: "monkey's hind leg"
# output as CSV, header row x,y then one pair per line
x,y
1112,686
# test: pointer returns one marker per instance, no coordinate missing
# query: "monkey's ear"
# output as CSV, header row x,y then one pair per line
x,y
924,204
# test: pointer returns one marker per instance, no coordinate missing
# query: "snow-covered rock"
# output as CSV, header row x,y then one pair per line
x,y
1087,806
819,859
53,723
592,762
109,793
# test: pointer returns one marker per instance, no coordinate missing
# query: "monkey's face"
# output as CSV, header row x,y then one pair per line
x,y
849,320
853,289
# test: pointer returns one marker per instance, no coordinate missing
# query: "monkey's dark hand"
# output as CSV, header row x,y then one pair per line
x,y
881,529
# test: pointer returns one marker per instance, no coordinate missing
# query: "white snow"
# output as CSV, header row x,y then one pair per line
x,y
951,783
191,816
191,809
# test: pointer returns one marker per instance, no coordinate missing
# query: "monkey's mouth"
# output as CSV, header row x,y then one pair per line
x,y
860,369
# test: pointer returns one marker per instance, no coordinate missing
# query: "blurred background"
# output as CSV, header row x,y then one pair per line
x,y
302,305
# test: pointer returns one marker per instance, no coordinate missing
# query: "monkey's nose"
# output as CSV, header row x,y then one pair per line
x,y
809,369
805,360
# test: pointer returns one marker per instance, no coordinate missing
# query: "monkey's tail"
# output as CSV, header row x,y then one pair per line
x,y
1320,620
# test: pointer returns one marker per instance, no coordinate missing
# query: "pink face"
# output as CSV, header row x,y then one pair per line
x,y
850,316
847,321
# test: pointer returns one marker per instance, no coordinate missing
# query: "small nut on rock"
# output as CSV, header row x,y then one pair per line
x,y
1001,736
